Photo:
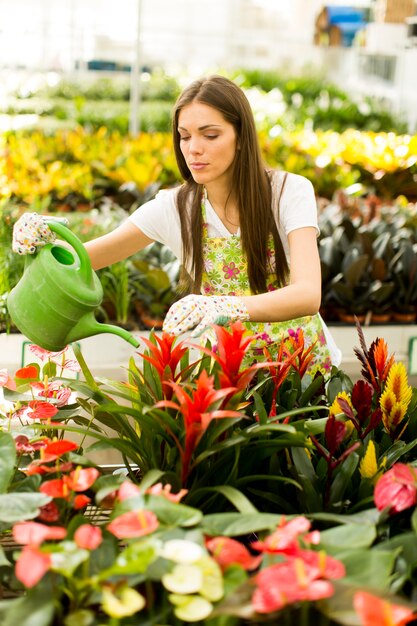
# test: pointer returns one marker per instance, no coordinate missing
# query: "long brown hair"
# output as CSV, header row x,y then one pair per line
x,y
251,186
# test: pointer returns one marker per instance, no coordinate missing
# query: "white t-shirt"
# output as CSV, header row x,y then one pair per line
x,y
158,219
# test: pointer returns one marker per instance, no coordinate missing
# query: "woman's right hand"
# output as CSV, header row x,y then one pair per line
x,y
31,231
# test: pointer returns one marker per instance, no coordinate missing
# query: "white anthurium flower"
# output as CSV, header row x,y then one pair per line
x,y
125,602
191,608
182,551
184,578
212,587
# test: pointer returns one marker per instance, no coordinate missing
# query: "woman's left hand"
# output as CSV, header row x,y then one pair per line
x,y
198,312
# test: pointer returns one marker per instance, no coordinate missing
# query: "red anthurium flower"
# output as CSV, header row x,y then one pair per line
x,y
133,524
327,566
56,488
285,538
30,371
81,501
33,533
286,583
197,411
25,446
396,489
374,611
31,566
58,448
228,551
88,537
42,410
49,512
82,479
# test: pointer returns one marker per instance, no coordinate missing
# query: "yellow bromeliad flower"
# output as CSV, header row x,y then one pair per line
x,y
336,409
368,466
395,399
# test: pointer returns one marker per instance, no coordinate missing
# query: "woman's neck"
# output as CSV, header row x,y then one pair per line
x,y
224,204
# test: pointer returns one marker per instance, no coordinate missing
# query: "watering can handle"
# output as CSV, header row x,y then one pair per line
x,y
62,231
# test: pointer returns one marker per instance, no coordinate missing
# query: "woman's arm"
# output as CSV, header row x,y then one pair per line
x,y
119,244
302,296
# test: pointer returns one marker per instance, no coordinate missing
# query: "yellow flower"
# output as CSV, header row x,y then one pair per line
x,y
369,465
395,399
335,408
123,602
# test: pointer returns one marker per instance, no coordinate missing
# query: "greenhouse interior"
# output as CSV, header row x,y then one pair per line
x,y
208,313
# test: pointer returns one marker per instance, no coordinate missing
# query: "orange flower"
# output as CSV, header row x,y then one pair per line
x,y
374,611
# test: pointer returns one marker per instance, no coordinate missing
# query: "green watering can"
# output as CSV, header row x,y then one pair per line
x,y
53,304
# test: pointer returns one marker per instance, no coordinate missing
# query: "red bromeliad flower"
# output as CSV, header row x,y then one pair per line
x,y
197,410
303,356
88,537
375,361
165,356
396,490
232,345
279,370
367,418
374,611
133,524
227,551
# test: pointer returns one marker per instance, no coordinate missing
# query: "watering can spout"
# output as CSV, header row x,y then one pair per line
x,y
88,326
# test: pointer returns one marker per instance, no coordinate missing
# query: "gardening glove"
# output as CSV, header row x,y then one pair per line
x,y
31,231
199,312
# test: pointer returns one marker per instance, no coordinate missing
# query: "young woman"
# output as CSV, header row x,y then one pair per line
x,y
246,235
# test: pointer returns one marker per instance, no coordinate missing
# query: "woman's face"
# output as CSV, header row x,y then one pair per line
x,y
208,143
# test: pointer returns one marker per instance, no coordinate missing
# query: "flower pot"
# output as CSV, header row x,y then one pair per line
x,y
404,317
380,318
350,318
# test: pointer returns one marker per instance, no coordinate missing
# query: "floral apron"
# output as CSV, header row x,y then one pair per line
x,y
225,274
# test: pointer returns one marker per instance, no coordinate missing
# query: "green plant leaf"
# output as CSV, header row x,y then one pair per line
x,y
36,608
236,497
353,536
7,460
236,524
16,507
369,568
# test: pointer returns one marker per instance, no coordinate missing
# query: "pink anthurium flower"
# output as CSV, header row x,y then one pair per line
x,y
285,538
396,490
88,537
288,582
227,551
165,491
6,380
374,611
33,533
31,566
133,524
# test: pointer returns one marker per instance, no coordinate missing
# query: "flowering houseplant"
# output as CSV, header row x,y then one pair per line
x,y
256,454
